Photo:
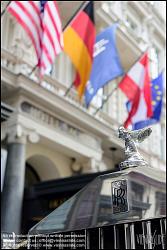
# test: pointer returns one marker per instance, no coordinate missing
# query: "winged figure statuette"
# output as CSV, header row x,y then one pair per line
x,y
133,157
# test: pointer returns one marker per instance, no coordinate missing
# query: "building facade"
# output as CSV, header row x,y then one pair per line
x,y
50,135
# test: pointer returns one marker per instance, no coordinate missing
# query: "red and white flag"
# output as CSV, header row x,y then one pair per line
x,y
41,21
136,85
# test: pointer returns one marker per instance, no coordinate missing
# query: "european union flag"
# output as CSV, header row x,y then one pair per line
x,y
157,101
106,63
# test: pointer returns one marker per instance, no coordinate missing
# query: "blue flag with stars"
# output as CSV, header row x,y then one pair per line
x,y
157,101
106,62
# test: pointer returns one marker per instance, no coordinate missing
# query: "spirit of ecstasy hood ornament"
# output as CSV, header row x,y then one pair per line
x,y
133,157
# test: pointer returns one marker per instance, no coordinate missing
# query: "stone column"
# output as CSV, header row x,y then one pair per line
x,y
13,190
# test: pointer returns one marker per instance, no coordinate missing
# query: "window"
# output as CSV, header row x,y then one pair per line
x,y
63,70
98,98
155,140
132,19
163,142
154,62
130,23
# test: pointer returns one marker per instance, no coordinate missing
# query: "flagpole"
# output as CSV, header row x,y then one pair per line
x,y
110,94
3,12
81,7
68,90
33,69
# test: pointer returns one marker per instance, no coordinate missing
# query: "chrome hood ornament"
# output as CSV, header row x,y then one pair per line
x,y
133,157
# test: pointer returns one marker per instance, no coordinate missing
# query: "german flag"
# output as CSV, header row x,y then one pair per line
x,y
79,39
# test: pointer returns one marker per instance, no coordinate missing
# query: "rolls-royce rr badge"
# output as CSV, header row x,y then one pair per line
x,y
119,196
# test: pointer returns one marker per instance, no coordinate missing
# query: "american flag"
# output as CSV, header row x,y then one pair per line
x,y
41,21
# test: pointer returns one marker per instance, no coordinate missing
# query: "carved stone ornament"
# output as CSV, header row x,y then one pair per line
x,y
133,157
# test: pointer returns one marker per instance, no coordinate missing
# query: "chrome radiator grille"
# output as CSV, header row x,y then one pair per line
x,y
150,234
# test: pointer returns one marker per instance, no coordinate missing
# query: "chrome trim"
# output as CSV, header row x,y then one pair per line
x,y
149,235
101,238
163,232
144,226
129,236
132,234
115,238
